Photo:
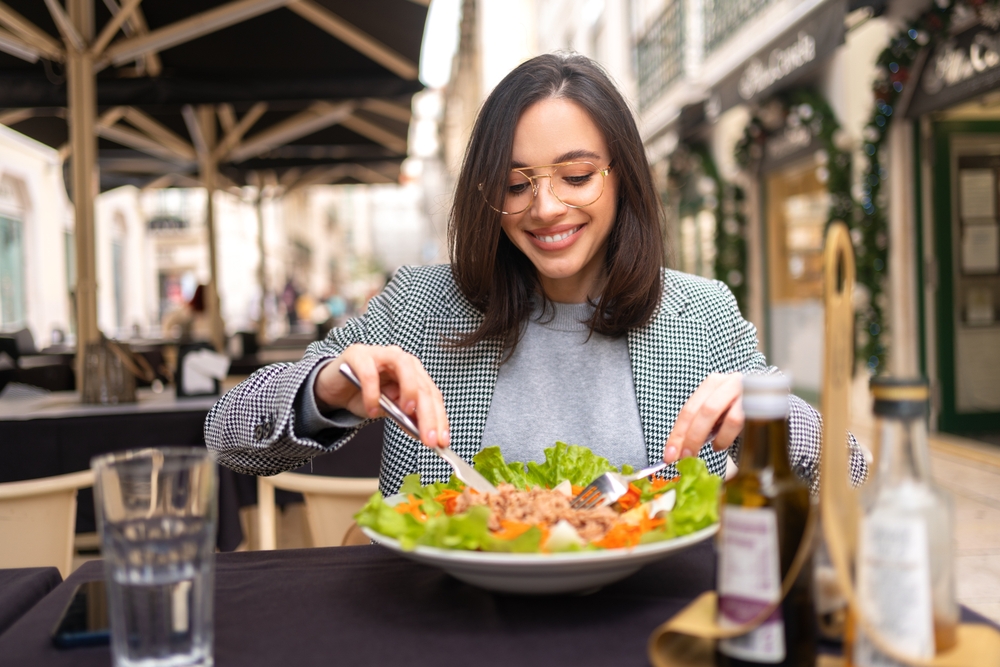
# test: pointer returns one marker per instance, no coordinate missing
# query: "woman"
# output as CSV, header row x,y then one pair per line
x,y
554,320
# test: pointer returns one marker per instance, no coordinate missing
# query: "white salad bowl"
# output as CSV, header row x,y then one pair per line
x,y
542,574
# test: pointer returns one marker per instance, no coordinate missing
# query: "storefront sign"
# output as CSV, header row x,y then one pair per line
x,y
785,60
959,69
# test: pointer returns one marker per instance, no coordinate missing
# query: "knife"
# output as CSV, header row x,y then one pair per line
x,y
463,470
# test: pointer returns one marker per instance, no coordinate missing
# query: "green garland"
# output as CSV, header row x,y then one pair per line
x,y
893,69
689,165
806,109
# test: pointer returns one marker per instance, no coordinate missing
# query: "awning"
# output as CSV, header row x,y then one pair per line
x,y
207,87
959,69
788,59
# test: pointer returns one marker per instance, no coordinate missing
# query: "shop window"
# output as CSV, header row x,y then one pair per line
x,y
798,206
697,244
12,301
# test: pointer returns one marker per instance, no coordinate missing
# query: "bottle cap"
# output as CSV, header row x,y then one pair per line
x,y
765,396
899,397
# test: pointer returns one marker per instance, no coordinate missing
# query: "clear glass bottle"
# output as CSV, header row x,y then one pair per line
x,y
764,512
905,563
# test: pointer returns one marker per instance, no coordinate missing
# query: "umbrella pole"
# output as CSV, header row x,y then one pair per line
x,y
261,267
208,177
81,83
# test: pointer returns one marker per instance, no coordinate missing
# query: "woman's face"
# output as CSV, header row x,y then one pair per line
x,y
566,245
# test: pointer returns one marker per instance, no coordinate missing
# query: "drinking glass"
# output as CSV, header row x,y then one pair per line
x,y
156,513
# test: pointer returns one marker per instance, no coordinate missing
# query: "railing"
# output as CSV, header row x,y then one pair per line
x,y
660,53
724,17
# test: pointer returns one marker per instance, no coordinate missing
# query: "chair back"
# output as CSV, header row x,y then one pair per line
x,y
331,503
38,520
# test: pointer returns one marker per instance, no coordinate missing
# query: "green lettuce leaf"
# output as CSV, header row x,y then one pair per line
x,y
490,464
577,464
697,504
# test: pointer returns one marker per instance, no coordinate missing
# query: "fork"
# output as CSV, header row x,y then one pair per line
x,y
610,486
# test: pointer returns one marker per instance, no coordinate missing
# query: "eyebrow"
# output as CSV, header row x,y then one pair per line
x,y
565,157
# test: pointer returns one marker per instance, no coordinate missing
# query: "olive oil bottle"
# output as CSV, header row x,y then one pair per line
x,y
905,564
764,513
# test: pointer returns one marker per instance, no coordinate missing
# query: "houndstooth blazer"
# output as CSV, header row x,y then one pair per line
x,y
697,330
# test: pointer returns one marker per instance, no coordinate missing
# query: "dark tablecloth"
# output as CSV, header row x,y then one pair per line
x,y
368,606
21,588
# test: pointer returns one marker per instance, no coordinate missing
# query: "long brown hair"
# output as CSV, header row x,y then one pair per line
x,y
492,273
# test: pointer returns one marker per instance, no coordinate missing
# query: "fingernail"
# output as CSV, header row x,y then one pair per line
x,y
411,406
685,453
670,454
446,437
373,412
432,438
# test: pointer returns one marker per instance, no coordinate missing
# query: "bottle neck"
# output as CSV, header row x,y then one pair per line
x,y
903,452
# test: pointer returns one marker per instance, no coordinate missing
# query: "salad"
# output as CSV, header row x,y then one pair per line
x,y
531,512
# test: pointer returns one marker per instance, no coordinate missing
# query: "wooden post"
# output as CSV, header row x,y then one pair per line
x,y
261,266
81,84
209,166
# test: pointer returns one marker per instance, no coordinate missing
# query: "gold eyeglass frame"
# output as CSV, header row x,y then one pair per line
x,y
534,185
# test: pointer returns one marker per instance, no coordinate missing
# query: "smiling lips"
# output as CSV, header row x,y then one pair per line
x,y
555,238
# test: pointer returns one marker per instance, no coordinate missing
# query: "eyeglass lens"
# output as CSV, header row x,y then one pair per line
x,y
577,184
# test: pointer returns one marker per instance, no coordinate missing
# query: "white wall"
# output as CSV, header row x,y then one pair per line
x,y
31,187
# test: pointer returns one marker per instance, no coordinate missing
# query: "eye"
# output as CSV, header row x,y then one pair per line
x,y
578,179
517,188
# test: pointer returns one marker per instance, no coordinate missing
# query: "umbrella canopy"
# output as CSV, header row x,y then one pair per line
x,y
313,90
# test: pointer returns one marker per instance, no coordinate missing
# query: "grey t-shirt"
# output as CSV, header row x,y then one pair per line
x,y
564,383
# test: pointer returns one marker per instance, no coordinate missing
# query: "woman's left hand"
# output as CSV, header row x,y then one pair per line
x,y
716,401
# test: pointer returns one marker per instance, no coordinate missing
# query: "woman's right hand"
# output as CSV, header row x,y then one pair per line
x,y
393,372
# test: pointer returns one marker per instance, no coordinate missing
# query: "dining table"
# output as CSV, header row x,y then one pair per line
x,y
53,433
367,605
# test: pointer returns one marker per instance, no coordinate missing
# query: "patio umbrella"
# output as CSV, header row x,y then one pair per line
x,y
173,89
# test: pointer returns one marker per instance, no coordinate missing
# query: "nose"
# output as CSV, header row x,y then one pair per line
x,y
545,205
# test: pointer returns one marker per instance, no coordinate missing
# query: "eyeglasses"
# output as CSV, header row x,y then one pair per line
x,y
575,184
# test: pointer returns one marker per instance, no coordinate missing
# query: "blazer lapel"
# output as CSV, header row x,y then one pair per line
x,y
670,358
466,377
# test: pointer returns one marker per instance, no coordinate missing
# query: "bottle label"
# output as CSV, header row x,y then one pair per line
x,y
749,580
894,588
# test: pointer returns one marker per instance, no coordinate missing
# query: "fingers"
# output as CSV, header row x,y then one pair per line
x,y
401,376
709,408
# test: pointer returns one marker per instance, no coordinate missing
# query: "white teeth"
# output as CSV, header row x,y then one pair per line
x,y
557,237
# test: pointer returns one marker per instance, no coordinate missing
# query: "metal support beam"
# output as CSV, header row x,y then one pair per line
x,y
31,34
162,134
15,116
70,34
316,117
355,38
18,48
236,133
187,29
112,26
140,142
388,109
376,133
136,25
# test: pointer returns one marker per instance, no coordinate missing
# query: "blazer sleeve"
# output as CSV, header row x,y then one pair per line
x,y
737,350
252,427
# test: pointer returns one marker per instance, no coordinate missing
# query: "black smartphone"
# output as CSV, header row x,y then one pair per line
x,y
84,622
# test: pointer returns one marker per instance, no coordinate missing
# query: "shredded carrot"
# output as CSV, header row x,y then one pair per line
x,y
510,530
448,498
627,535
412,508
630,499
659,482
576,490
